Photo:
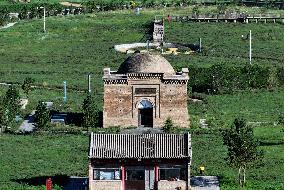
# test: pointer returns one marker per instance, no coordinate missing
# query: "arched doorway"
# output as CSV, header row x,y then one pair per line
x,y
145,114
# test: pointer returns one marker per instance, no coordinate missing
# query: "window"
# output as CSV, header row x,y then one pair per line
x,y
172,173
107,174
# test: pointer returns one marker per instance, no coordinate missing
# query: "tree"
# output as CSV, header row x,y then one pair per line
x,y
196,10
27,85
242,147
11,102
168,125
42,115
3,115
90,111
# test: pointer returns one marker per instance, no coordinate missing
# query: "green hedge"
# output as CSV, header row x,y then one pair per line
x,y
219,79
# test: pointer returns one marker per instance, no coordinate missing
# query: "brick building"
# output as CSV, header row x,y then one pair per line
x,y
158,33
144,92
139,161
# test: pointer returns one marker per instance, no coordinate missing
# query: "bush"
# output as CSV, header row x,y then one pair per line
x,y
281,119
10,104
168,125
91,112
42,115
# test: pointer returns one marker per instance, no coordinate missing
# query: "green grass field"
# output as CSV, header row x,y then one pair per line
x,y
75,46
259,106
25,157
78,45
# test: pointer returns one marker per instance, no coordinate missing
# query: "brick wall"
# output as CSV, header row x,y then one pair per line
x,y
120,103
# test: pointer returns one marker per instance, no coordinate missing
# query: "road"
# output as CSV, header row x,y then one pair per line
x,y
28,124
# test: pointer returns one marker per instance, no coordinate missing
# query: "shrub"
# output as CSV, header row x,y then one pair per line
x,y
42,115
168,125
281,119
10,103
90,111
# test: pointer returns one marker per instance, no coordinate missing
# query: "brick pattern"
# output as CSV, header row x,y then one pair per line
x,y
120,103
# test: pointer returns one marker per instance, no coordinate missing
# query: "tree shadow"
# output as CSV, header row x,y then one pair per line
x,y
76,119
70,118
64,181
193,47
60,180
100,122
149,29
270,143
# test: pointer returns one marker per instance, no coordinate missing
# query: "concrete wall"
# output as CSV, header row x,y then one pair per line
x,y
171,185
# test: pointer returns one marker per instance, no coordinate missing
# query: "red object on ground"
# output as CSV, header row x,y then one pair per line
x,y
123,177
48,184
169,18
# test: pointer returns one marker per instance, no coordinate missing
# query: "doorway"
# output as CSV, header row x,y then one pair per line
x,y
139,178
145,114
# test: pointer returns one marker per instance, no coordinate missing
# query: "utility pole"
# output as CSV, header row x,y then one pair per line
x,y
65,91
200,45
44,30
250,51
89,83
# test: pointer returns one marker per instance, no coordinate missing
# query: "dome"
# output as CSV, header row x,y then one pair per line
x,y
146,63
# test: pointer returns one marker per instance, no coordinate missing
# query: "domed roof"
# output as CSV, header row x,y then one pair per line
x,y
146,63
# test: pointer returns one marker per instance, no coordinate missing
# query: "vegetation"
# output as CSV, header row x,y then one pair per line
x,y
9,107
42,115
32,158
209,151
27,85
259,107
90,111
74,46
242,147
168,126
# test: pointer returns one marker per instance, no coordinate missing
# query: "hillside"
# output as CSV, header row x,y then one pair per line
x,y
76,46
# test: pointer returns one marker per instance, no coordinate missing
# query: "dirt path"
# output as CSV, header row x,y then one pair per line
x,y
68,4
28,124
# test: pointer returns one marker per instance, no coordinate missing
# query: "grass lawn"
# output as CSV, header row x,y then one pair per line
x,y
25,157
258,106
